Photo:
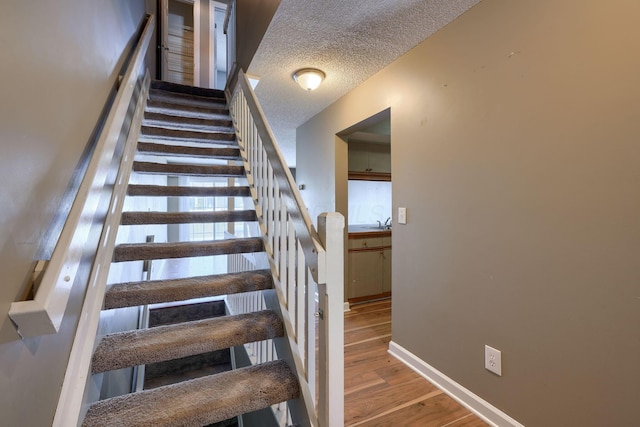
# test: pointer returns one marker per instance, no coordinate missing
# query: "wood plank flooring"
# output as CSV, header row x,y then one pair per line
x,y
382,391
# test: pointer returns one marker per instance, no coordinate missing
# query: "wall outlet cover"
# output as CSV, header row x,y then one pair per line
x,y
493,360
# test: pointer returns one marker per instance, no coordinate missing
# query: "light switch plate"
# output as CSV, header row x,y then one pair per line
x,y
402,215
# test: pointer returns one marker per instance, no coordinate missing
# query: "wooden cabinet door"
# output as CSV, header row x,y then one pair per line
x,y
380,161
358,161
365,273
386,270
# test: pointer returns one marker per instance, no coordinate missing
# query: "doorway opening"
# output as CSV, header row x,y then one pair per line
x,y
193,45
177,64
369,209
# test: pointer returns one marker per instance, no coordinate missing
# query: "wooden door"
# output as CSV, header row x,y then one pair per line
x,y
177,41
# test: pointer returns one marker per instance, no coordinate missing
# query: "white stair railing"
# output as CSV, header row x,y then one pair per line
x,y
307,265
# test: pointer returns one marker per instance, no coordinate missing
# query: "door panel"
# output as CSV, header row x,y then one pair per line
x,y
177,42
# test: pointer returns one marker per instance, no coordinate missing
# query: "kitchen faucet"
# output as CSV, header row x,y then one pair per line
x,y
386,223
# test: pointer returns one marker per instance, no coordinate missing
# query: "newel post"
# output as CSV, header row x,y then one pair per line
x,y
331,306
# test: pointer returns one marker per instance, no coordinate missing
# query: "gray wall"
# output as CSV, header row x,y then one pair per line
x,y
515,150
252,20
60,61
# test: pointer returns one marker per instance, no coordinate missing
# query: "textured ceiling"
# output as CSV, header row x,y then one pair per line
x,y
349,40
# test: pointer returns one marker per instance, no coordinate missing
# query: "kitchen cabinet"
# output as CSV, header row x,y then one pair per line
x,y
369,260
370,158
386,269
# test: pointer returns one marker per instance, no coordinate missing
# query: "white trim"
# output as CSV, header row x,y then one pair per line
x,y
196,44
483,409
346,307
213,44
211,78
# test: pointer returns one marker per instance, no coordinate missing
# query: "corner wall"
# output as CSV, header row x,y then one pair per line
x,y
515,150
252,20
60,62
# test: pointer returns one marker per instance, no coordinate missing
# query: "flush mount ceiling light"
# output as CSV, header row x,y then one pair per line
x,y
308,78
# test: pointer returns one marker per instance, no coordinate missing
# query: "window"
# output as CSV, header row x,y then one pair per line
x,y
203,231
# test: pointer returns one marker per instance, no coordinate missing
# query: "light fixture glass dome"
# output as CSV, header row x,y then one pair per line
x,y
308,78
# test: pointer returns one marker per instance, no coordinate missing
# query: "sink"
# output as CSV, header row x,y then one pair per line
x,y
362,228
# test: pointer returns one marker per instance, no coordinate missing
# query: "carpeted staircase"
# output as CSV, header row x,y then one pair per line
x,y
185,122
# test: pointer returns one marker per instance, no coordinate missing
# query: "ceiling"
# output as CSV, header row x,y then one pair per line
x,y
349,40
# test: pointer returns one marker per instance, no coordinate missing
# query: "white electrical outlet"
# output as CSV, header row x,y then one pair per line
x,y
493,360
402,215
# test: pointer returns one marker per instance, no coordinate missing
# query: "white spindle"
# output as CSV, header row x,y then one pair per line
x,y
292,267
284,271
311,312
301,287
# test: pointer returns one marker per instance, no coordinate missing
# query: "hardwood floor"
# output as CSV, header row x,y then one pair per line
x,y
382,391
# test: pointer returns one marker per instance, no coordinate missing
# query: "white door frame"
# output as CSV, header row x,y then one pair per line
x,y
213,42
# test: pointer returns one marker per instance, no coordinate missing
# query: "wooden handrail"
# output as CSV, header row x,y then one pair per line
x,y
44,313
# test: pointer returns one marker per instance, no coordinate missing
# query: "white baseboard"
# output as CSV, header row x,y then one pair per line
x,y
466,398
346,307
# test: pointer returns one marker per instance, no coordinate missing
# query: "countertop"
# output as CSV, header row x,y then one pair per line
x,y
367,230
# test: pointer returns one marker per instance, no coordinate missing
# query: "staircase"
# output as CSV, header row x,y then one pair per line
x,y
181,124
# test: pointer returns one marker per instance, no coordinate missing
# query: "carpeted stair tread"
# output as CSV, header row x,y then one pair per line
x,y
200,401
167,107
150,251
192,170
142,346
181,191
225,153
168,134
162,119
158,291
138,218
165,86
185,99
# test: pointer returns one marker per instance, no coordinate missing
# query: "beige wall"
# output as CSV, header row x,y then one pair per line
x,y
515,150
59,62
